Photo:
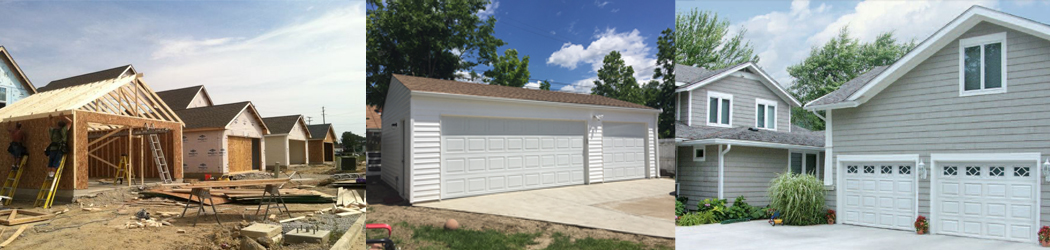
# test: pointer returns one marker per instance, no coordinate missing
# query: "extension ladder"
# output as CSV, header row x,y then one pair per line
x,y
123,173
158,158
11,184
46,196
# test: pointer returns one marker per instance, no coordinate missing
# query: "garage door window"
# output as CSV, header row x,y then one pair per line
x,y
1021,171
950,170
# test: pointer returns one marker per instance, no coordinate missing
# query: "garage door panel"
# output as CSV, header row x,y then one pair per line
x,y
985,200
623,150
879,195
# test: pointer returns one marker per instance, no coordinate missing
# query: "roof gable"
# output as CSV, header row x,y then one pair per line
x,y
943,37
181,98
285,124
17,71
96,76
124,96
321,131
699,77
218,116
430,85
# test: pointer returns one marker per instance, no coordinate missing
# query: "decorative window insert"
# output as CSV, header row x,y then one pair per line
x,y
887,169
982,65
765,114
973,171
719,109
950,170
996,171
699,153
1021,171
851,169
905,170
869,169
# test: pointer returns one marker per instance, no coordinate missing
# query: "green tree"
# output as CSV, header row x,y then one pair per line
x,y
428,38
616,80
703,40
351,142
661,94
507,70
836,62
545,85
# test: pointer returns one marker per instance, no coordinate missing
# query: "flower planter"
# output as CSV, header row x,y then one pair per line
x,y
1044,243
921,232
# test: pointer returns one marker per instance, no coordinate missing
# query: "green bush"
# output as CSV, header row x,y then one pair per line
x,y
799,198
698,218
759,213
717,207
679,206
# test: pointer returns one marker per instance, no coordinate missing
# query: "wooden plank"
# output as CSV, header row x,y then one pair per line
x,y
26,217
217,199
240,183
107,135
102,160
111,140
13,236
239,153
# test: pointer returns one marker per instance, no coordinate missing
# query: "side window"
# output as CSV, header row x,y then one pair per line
x,y
719,109
765,114
982,64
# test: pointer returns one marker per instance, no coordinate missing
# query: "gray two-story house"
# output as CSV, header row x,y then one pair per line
x,y
734,134
956,130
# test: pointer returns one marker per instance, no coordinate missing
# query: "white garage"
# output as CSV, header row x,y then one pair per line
x,y
878,191
492,155
986,196
446,139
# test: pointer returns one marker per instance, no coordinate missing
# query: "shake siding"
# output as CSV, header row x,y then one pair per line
x,y
922,112
749,170
744,92
395,109
697,180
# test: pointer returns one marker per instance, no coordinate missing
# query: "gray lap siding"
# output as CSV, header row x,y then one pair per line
x,y
748,172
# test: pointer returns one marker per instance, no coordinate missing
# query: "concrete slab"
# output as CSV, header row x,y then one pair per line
x,y
611,206
307,236
261,230
760,235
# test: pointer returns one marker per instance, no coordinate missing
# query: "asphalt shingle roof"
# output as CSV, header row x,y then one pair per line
x,y
318,131
281,124
795,137
211,117
372,118
179,98
423,84
692,75
85,78
849,88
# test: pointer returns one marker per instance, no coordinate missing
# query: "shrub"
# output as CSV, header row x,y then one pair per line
x,y
698,218
739,210
679,206
717,207
758,213
799,198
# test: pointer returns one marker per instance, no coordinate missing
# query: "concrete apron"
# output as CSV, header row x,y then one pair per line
x,y
582,205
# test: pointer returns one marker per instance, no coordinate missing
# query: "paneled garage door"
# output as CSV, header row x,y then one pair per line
x,y
490,155
623,151
986,200
879,194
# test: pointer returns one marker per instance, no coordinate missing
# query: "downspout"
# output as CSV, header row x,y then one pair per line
x,y
722,169
829,164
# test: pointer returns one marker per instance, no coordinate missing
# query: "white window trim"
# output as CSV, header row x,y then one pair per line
x,y
721,96
688,108
768,103
981,41
701,148
819,167
678,106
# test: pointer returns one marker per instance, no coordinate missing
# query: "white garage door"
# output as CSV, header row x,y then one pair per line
x,y
995,201
879,194
623,151
489,155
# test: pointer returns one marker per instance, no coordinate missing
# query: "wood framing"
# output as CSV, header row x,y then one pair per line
x,y
17,217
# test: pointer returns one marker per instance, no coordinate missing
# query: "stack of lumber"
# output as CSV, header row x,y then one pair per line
x,y
349,202
244,195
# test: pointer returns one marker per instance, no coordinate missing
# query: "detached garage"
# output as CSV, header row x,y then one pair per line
x,y
445,139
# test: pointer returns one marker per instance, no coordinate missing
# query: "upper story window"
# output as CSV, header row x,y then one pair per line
x,y
765,114
3,97
720,109
982,65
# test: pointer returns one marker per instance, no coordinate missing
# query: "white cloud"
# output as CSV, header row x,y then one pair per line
x,y
181,47
490,9
614,10
533,85
600,4
631,45
581,86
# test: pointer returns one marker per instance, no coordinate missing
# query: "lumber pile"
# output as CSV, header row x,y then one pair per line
x,y
237,183
17,217
349,202
243,195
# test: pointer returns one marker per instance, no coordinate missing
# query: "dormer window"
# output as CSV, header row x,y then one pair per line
x,y
765,114
982,65
719,109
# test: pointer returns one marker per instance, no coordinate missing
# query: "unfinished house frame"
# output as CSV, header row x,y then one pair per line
x,y
321,143
286,145
223,139
108,118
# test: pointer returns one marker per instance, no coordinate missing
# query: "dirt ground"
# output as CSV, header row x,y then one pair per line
x,y
385,207
104,229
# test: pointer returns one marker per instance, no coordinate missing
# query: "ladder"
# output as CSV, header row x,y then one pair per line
x,y
123,172
158,158
11,184
46,196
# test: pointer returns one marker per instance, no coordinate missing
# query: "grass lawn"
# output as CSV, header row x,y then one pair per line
x,y
431,237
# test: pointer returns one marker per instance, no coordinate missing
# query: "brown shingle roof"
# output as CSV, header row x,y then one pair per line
x,y
282,124
211,117
87,78
179,98
423,84
319,131
372,118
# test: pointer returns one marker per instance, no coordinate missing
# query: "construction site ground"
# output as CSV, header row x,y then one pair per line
x,y
100,221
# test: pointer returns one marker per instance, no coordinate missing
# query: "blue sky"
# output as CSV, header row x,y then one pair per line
x,y
783,32
567,40
286,57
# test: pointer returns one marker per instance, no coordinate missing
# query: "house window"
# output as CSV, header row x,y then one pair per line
x,y
766,114
719,109
698,153
982,65
3,97
805,163
683,107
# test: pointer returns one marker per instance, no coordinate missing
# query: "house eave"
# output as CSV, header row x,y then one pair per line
x,y
745,143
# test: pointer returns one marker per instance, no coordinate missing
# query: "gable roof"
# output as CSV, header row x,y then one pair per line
x,y
218,116
422,84
372,118
320,131
848,88
93,97
89,78
944,36
698,77
284,124
17,70
181,98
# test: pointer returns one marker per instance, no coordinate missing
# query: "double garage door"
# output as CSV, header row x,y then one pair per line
x,y
993,200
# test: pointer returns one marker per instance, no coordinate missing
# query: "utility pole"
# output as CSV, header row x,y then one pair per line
x,y
308,119
322,116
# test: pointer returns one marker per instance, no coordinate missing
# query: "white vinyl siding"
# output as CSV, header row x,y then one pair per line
x,y
719,109
765,114
982,64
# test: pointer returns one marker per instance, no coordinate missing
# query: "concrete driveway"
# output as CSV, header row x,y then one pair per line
x,y
760,235
638,207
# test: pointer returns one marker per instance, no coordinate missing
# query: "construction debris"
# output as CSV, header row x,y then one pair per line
x,y
17,217
13,236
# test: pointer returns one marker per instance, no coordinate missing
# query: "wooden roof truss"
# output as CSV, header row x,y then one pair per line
x,y
132,99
